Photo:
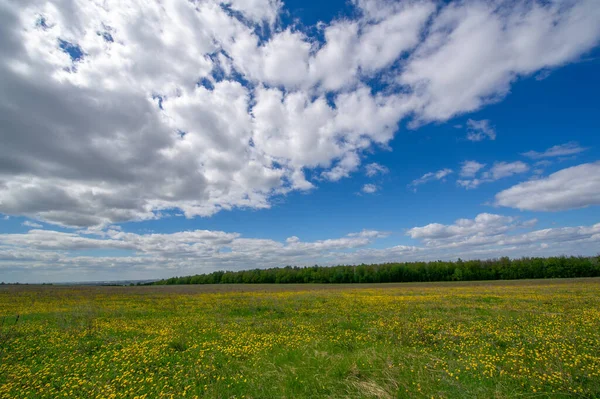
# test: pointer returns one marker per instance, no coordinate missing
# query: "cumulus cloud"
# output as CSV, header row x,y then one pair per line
x,y
257,10
498,171
47,255
561,150
480,130
108,118
470,168
45,250
505,169
369,188
483,224
475,50
570,188
493,234
431,176
374,169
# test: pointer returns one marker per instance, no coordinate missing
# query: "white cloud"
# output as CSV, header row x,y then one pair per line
x,y
543,163
370,234
505,169
163,254
570,148
474,50
469,184
369,188
28,223
480,130
490,234
470,168
365,46
46,255
431,176
373,169
348,164
257,10
570,188
396,30
498,171
484,223
132,125
282,61
292,239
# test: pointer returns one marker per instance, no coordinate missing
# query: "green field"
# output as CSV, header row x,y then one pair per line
x,y
532,338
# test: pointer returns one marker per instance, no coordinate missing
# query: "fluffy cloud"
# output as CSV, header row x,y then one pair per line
x,y
480,130
488,235
571,148
575,187
470,168
505,169
108,118
47,255
369,188
257,10
354,49
163,254
483,224
475,50
498,171
374,169
431,176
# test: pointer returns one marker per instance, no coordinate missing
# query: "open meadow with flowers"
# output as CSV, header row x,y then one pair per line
x,y
442,340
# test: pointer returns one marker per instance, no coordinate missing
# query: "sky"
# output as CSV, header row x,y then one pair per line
x,y
149,139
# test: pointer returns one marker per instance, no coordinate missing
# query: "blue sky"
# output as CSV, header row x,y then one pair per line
x,y
294,133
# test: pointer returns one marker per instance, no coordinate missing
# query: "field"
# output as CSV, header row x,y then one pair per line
x,y
535,338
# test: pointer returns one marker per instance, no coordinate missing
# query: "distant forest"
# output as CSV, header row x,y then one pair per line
x,y
496,269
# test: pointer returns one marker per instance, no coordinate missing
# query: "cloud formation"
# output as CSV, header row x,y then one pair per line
x,y
108,118
29,223
561,150
431,176
369,188
374,169
48,255
480,130
498,171
570,188
470,168
488,234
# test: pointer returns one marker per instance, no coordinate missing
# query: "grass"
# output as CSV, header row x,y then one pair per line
x,y
442,340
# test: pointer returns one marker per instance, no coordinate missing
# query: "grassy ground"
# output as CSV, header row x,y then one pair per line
x,y
443,340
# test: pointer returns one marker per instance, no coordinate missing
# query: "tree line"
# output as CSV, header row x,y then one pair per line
x,y
494,269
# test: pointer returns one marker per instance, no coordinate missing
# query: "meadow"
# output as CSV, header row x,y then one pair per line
x,y
527,338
